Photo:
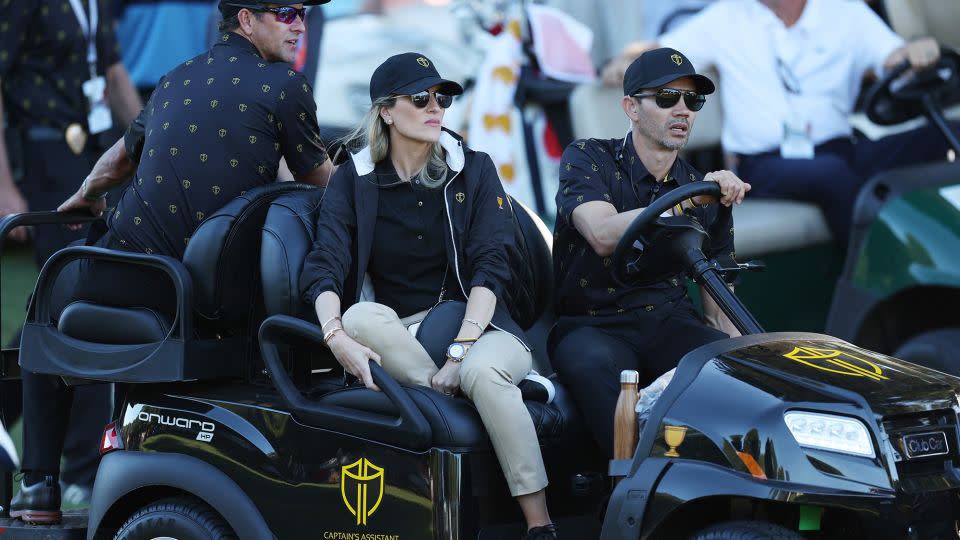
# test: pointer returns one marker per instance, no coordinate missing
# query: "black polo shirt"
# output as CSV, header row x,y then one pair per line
x,y
408,259
43,61
610,170
216,126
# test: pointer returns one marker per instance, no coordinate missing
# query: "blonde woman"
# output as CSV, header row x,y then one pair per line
x,y
427,220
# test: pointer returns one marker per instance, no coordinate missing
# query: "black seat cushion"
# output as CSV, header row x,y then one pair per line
x,y
112,325
223,256
455,422
286,239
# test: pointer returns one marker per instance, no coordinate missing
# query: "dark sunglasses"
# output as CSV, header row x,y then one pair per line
x,y
668,97
422,99
283,14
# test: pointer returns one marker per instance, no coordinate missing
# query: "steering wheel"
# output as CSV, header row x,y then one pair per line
x,y
654,247
898,96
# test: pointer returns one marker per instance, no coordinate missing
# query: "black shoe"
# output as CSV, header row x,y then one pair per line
x,y
39,503
546,532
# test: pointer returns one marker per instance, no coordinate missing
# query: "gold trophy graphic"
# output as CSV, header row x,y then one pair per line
x,y
674,436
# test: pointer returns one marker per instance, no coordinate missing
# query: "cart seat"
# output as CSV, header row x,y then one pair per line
x,y
217,288
287,238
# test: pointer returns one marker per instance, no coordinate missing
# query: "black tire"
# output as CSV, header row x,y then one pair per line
x,y
746,530
936,349
181,518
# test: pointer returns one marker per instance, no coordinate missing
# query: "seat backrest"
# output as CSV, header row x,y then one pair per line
x,y
287,237
223,256
938,19
538,241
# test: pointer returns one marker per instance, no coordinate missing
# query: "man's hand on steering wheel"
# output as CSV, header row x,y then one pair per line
x,y
731,186
921,53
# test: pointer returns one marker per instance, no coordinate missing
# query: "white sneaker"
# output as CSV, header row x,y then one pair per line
x,y
536,387
8,452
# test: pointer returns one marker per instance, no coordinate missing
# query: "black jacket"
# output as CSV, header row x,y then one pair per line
x,y
479,234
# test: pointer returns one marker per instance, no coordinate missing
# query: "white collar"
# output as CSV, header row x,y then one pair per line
x,y
454,155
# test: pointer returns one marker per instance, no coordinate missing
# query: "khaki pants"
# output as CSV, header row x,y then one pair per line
x,y
488,376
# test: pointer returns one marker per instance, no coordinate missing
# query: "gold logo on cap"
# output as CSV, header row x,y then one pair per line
x,y
423,62
677,59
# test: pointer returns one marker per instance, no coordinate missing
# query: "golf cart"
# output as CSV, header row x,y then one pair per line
x,y
238,424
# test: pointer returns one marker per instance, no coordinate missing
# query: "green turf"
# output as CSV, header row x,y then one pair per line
x,y
17,277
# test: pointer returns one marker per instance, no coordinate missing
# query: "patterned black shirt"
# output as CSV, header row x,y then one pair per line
x,y
610,170
43,60
216,126
408,259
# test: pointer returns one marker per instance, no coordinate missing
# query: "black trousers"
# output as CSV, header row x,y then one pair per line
x,y
591,352
47,401
51,174
833,178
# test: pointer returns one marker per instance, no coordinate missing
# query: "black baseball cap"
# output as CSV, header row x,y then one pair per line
x,y
240,4
408,73
659,67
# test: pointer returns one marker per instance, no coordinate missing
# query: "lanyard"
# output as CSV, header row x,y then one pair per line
x,y
89,28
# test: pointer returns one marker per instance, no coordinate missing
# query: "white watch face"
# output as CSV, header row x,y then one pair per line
x,y
456,351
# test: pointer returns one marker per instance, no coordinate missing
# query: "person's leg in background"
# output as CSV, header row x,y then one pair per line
x,y
921,145
827,180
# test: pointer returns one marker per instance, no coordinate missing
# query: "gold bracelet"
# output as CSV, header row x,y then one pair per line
x,y
329,335
331,319
465,340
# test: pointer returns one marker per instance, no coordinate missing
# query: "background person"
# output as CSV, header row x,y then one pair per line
x,y
217,125
387,213
603,327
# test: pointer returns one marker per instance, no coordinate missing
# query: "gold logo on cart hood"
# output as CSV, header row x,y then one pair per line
x,y
836,361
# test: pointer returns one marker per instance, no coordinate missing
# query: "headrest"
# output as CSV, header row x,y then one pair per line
x,y
223,256
287,237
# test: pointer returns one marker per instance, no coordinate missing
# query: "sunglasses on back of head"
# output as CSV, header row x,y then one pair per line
x,y
283,14
422,99
668,97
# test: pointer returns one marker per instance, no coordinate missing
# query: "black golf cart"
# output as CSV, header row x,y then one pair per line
x,y
237,424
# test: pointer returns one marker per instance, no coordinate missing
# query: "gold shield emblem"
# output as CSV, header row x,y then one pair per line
x,y
460,197
357,481
677,59
835,361
423,62
203,158
500,202
243,107
252,139
172,208
265,88
234,162
192,128
222,132
235,80
215,190
214,103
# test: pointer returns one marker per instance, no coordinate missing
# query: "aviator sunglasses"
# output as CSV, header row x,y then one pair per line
x,y
283,14
668,97
422,99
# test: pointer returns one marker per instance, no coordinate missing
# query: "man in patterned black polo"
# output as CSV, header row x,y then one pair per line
x,y
604,328
61,76
217,125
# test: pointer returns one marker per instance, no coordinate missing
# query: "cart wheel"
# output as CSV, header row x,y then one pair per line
x,y
937,349
182,518
747,530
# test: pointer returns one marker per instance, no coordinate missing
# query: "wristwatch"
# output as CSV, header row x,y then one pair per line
x,y
456,352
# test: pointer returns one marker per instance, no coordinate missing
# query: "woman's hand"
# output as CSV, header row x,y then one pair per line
x,y
447,380
354,357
